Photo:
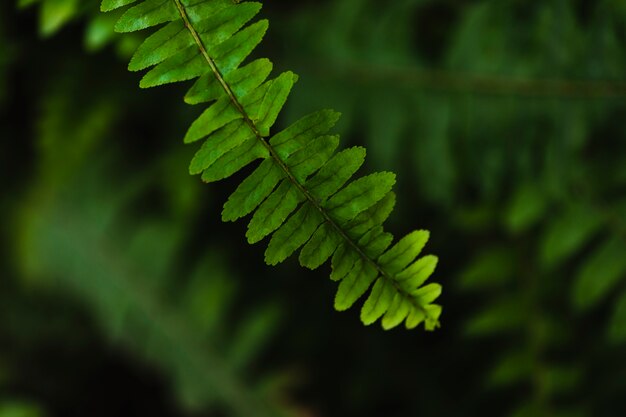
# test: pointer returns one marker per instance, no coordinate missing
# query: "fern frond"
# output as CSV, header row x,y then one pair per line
x,y
300,194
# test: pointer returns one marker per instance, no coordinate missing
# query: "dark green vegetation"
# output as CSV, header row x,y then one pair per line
x,y
122,293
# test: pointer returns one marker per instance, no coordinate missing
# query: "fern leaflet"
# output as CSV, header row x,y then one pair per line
x,y
300,193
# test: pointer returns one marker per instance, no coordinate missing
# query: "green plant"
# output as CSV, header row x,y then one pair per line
x,y
503,119
298,193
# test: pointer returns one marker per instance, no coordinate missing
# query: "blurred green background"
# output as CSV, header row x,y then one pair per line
x,y
122,293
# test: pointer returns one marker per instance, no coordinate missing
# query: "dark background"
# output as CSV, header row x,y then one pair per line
x,y
122,293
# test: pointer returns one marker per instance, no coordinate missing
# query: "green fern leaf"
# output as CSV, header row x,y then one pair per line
x,y
301,194
109,5
600,273
378,302
147,14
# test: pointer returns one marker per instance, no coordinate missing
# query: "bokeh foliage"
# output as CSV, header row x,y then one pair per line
x,y
504,121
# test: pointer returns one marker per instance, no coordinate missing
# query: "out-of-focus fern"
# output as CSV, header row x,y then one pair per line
x,y
77,239
129,302
438,102
54,15
556,244
298,193
528,330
